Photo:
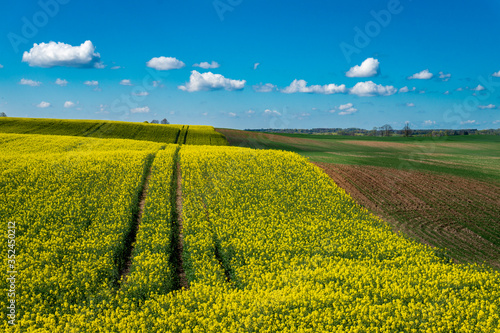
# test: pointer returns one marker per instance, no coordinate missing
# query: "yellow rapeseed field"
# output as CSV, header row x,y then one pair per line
x,y
271,244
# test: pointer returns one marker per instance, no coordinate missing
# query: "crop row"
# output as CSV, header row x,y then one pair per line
x,y
270,244
205,135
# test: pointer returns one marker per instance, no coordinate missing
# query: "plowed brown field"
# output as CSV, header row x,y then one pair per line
x,y
461,215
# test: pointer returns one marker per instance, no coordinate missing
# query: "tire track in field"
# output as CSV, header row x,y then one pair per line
x,y
177,235
125,259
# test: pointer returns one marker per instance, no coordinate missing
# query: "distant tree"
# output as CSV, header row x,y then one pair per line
x,y
407,130
164,121
146,122
373,132
386,130
154,121
2,114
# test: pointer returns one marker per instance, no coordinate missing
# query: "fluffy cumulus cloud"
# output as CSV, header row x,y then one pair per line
x,y
144,109
346,109
368,68
257,65
61,82
60,54
43,105
27,82
478,88
268,87
496,74
485,107
209,81
423,75
207,65
125,83
301,86
69,104
165,63
270,112
370,88
91,83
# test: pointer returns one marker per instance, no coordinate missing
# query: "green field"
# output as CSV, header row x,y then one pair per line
x,y
181,134
475,156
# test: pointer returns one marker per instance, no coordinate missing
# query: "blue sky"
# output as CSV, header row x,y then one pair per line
x,y
299,64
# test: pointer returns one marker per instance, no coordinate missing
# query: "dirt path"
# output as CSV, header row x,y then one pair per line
x,y
124,266
178,237
459,214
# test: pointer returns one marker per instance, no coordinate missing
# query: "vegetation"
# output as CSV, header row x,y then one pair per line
x,y
111,129
472,156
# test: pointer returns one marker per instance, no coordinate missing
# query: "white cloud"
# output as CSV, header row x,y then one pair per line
x,y
478,88
126,83
1,66
232,114
207,65
268,87
301,86
91,83
496,74
116,67
423,75
258,63
209,81
369,88
140,93
444,77
459,89
69,104
405,89
271,112
250,112
27,82
368,68
59,54
410,104
467,122
429,122
496,121
61,82
144,109
346,109
43,105
165,63
489,106
446,92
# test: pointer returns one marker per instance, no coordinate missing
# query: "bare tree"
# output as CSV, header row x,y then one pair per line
x,y
154,121
407,130
164,121
386,130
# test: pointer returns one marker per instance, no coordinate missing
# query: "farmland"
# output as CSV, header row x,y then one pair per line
x,y
182,134
439,191
132,235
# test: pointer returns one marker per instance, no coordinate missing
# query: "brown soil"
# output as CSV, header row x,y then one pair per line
x,y
462,215
183,282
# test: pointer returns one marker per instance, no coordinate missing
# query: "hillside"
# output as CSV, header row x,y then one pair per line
x,y
182,134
